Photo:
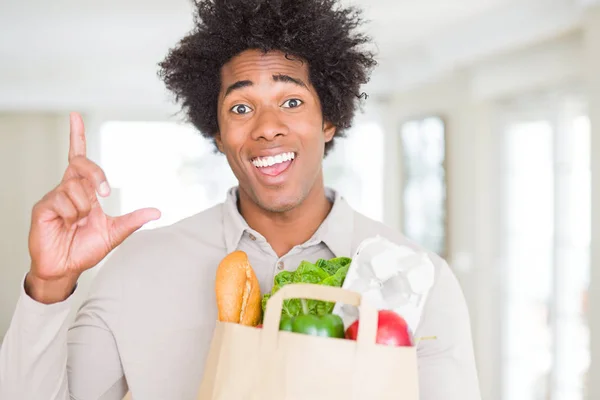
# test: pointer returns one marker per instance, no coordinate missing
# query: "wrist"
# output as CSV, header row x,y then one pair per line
x,y
49,291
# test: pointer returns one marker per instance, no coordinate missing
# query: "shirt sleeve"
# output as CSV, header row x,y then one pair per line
x,y
446,359
42,358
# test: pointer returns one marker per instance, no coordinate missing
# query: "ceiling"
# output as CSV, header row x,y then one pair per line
x,y
398,23
67,53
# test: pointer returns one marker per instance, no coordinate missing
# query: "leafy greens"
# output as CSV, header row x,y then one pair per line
x,y
323,272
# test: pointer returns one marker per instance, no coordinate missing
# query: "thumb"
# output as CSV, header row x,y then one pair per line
x,y
125,225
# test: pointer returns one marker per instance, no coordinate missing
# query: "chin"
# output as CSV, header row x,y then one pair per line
x,y
279,202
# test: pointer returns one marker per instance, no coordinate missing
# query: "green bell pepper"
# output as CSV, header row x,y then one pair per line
x,y
328,325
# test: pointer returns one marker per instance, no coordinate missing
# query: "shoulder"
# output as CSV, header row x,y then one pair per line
x,y
446,287
203,228
148,248
365,227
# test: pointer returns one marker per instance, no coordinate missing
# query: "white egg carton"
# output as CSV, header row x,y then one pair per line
x,y
389,277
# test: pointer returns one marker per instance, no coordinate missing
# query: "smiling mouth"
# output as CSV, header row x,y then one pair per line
x,y
274,165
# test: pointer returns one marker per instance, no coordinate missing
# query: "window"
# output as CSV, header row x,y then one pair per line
x,y
547,211
529,243
424,187
173,168
355,168
164,165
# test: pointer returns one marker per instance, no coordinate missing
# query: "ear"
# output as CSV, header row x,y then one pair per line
x,y
329,130
219,142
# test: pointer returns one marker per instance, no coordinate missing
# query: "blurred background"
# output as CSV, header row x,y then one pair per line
x,y
477,141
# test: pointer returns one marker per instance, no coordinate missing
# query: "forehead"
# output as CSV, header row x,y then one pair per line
x,y
255,64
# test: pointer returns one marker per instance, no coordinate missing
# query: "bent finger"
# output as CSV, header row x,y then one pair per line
x,y
64,208
74,189
85,168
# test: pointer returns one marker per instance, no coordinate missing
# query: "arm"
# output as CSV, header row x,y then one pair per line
x,y
94,365
69,234
40,356
33,355
447,369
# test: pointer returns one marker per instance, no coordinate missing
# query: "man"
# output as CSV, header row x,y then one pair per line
x,y
273,83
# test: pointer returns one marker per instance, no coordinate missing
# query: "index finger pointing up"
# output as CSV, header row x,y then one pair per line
x,y
77,138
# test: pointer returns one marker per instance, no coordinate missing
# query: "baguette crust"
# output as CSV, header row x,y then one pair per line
x,y
237,290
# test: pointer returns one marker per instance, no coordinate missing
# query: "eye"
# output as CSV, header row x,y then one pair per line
x,y
241,109
292,103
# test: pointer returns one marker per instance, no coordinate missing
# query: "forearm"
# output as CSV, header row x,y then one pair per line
x,y
44,357
49,292
33,356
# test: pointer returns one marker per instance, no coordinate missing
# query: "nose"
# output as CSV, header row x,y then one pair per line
x,y
269,125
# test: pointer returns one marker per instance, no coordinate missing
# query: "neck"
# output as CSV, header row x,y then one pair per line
x,y
287,229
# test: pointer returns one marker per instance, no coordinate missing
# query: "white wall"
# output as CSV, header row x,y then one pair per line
x,y
33,157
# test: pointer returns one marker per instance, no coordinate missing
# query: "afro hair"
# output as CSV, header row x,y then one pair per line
x,y
321,32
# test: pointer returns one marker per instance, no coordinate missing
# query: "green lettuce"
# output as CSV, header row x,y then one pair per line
x,y
323,272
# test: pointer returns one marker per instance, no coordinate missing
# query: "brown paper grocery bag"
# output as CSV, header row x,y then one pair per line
x,y
268,364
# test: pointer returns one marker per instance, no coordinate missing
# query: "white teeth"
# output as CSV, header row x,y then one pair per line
x,y
272,160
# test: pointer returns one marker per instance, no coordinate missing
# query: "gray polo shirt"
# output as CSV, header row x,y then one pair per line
x,y
148,321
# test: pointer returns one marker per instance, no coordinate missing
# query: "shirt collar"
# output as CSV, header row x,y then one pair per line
x,y
234,225
336,231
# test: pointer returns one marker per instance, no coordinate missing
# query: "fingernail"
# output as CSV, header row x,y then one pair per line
x,y
104,189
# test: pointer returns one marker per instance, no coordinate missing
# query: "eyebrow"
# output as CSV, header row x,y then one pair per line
x,y
277,78
236,86
289,79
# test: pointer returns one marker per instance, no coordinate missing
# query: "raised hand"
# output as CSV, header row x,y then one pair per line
x,y
70,232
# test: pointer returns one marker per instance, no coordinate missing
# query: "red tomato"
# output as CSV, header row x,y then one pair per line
x,y
259,325
392,330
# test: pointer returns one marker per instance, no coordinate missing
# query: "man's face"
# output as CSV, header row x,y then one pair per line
x,y
271,128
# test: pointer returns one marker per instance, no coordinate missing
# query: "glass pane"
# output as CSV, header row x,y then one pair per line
x,y
546,336
424,192
177,170
163,165
528,338
572,262
355,168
